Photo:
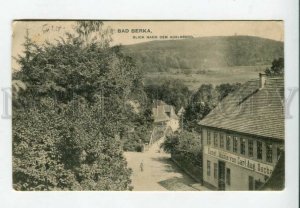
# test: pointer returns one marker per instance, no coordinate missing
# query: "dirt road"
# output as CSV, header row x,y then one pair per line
x,y
159,172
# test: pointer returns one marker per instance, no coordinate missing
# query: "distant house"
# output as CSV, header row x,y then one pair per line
x,y
243,136
164,115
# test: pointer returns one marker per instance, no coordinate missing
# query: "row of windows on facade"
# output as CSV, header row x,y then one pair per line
x,y
228,176
234,140
253,184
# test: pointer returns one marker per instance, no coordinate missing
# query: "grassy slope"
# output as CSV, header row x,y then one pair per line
x,y
215,77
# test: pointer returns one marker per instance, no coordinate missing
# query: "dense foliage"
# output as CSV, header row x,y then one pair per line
x,y
204,100
68,123
64,150
185,148
173,92
277,68
140,133
184,141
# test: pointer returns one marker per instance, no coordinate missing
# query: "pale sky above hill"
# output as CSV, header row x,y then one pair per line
x,y
124,31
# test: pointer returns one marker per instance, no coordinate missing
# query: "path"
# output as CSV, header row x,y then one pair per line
x,y
160,172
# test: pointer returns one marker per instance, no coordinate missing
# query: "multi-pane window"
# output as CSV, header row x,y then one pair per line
x,y
228,138
228,177
215,170
235,144
269,153
208,168
221,140
208,138
243,146
215,139
259,150
250,147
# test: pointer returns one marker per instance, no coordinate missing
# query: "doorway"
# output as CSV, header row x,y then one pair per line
x,y
251,183
221,176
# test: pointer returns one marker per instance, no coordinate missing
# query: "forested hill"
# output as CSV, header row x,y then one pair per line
x,y
204,53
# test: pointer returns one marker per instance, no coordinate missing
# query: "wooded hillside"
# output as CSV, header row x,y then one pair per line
x,y
204,53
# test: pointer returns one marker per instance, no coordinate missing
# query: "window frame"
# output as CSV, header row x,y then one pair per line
x,y
215,170
228,176
208,138
250,147
208,168
228,142
269,152
251,183
215,139
259,150
222,141
235,144
243,146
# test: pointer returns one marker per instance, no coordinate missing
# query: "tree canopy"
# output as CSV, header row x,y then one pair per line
x,y
68,122
173,92
204,100
277,68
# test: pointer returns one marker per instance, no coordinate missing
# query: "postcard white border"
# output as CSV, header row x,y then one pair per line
x,y
286,10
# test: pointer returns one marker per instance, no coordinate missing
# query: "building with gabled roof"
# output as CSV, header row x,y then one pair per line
x,y
165,115
243,135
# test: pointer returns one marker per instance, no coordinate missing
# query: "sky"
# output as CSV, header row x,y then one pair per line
x,y
132,32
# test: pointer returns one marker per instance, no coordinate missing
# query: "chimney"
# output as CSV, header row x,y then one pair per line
x,y
262,80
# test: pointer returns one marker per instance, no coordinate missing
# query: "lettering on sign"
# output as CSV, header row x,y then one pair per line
x,y
253,165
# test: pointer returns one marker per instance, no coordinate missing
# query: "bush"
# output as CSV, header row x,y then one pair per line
x,y
184,141
139,148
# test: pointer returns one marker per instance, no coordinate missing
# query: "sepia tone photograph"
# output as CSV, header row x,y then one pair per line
x,y
148,105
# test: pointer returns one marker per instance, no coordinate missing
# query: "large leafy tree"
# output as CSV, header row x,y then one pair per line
x,y
277,68
68,121
204,100
224,89
173,92
200,104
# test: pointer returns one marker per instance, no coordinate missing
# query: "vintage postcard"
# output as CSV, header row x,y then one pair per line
x,y
148,105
